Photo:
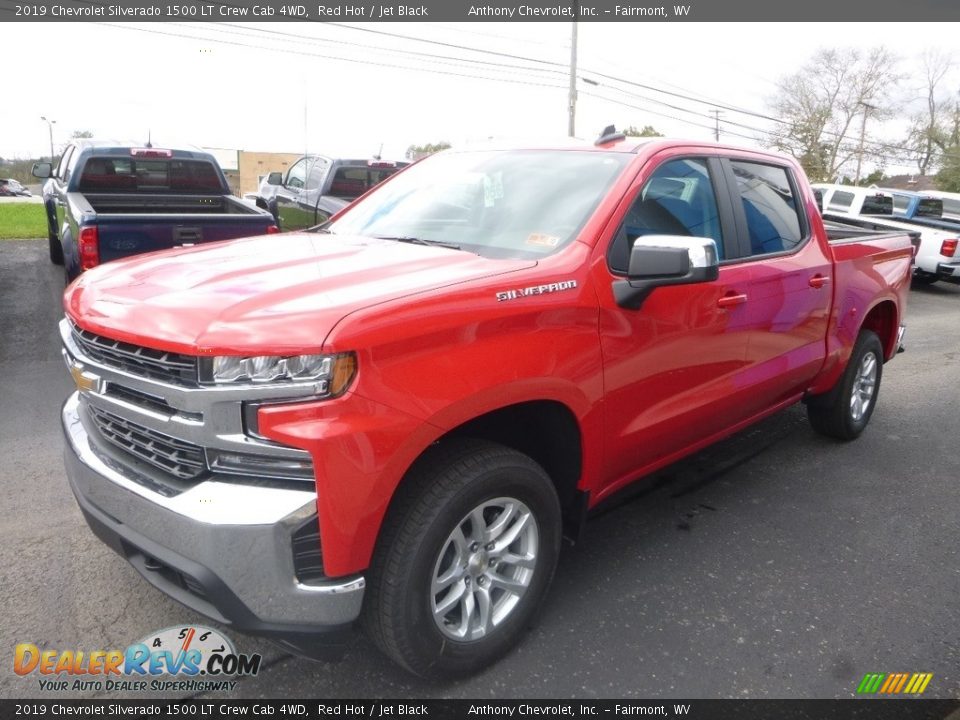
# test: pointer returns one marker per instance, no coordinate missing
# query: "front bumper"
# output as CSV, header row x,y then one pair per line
x,y
222,549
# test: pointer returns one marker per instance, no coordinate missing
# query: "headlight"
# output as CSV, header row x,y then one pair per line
x,y
333,373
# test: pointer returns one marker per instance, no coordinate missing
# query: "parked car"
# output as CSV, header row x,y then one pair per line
x,y
11,188
936,257
317,187
107,201
392,420
922,209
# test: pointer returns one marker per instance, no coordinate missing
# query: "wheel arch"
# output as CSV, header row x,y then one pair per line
x,y
884,320
546,431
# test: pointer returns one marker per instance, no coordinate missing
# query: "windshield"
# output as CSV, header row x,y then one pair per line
x,y
517,204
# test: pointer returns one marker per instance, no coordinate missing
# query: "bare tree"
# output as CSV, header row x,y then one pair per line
x,y
930,129
820,104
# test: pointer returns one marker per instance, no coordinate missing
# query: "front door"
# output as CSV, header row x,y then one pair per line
x,y
672,368
290,214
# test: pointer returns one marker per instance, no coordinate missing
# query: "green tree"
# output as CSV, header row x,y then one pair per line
x,y
875,178
948,178
647,131
415,152
80,134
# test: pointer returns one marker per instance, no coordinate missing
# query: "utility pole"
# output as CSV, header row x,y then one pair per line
x,y
863,132
50,124
716,126
572,110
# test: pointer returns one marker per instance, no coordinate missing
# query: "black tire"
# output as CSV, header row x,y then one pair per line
x,y
834,414
56,251
439,494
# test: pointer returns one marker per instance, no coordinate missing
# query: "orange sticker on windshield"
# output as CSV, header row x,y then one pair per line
x,y
542,240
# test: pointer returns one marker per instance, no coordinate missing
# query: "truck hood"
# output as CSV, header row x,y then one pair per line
x,y
275,294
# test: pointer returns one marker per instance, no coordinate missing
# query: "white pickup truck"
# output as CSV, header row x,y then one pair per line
x,y
937,257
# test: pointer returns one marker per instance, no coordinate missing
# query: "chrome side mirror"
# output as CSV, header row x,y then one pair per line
x,y
662,260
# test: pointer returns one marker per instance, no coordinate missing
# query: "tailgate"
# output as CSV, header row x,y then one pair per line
x,y
124,235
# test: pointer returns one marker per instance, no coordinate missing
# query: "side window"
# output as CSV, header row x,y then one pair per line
x,y
678,199
64,159
71,164
770,207
841,200
297,176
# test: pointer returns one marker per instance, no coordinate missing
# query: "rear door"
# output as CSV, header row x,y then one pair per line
x,y
790,286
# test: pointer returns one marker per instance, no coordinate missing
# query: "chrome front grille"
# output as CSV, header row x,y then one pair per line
x,y
144,362
181,459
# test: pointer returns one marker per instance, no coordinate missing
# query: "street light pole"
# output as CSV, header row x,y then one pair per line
x,y
50,124
863,131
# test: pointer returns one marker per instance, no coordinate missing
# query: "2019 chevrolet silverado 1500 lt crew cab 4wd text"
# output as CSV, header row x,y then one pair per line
x,y
107,201
393,419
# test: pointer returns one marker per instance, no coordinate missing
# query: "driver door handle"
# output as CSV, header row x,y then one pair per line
x,y
731,299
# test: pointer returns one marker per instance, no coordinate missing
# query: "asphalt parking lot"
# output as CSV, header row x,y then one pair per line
x,y
776,564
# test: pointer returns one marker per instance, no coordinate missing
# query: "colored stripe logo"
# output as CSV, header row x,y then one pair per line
x,y
894,683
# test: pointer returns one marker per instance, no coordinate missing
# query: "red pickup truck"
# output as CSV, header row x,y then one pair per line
x,y
394,419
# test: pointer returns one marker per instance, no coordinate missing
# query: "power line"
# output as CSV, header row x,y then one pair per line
x,y
543,66
308,39
332,57
555,67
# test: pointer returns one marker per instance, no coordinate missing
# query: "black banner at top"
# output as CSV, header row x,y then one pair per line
x,y
645,11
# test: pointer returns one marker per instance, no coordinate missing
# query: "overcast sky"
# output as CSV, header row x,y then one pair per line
x,y
291,87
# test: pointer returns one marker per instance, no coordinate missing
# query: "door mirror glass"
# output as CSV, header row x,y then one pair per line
x,y
275,178
42,169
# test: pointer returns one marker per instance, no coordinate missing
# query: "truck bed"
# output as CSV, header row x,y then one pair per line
x,y
861,230
108,204
138,223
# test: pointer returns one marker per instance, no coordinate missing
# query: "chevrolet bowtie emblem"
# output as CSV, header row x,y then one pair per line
x,y
85,382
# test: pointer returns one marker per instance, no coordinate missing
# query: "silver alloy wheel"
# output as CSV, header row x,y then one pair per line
x,y
864,386
484,568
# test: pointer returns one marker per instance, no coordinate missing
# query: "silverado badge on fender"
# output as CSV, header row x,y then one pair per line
x,y
536,290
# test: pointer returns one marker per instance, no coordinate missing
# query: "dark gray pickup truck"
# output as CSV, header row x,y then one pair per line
x,y
106,201
316,187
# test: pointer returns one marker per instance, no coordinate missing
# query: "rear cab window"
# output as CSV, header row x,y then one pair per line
x,y
350,183
127,174
841,201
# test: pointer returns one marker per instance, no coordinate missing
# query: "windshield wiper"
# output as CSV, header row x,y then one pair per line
x,y
418,241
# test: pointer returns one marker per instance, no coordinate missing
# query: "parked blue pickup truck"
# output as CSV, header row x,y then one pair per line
x,y
106,201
